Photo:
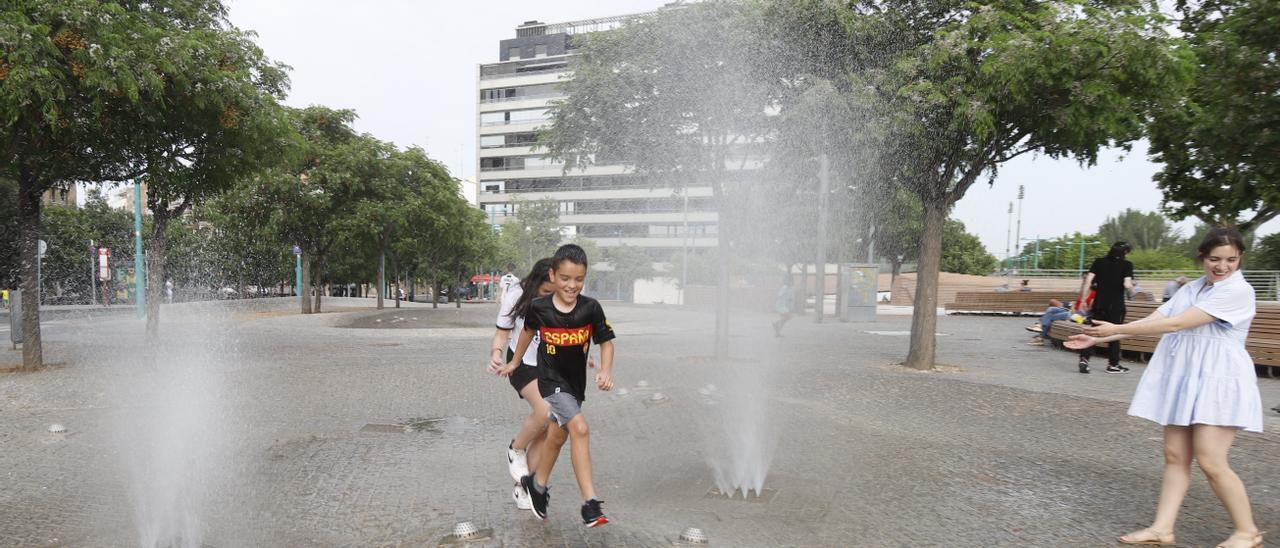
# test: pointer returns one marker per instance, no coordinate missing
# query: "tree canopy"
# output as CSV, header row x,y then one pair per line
x,y
1218,143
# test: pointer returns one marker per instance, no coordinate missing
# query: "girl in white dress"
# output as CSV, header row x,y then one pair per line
x,y
1200,385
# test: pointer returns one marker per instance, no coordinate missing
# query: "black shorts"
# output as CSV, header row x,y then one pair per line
x,y
522,376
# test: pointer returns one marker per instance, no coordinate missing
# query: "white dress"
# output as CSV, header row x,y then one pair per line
x,y
1204,375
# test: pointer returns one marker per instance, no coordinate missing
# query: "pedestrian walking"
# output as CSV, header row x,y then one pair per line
x,y
567,323
4,295
1200,385
782,304
1113,276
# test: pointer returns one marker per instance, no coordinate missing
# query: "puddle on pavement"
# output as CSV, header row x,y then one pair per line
x,y
428,425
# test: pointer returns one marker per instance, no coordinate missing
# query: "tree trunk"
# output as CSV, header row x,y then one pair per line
x,y
316,277
924,317
155,268
304,292
382,274
29,220
435,294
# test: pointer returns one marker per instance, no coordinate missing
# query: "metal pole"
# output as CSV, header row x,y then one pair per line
x,y
684,260
297,276
93,273
1080,270
139,285
1008,238
1017,236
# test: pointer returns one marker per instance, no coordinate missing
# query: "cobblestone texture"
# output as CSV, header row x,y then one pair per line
x,y
1009,447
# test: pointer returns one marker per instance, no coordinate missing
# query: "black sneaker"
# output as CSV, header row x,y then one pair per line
x,y
539,500
1117,368
591,514
1084,365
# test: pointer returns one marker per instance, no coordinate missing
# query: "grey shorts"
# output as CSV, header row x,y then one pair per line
x,y
564,407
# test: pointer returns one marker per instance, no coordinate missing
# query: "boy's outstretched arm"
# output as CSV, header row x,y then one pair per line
x,y
526,337
604,377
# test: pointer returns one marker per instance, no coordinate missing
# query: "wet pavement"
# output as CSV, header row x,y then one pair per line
x,y
342,430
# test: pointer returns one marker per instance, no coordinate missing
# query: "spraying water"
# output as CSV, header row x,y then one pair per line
x,y
173,434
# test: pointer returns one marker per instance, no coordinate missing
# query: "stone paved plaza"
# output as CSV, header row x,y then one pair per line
x,y
262,427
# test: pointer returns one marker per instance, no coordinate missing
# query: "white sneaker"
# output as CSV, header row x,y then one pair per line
x,y
522,498
517,463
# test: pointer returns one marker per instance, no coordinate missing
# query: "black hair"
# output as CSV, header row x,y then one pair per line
x,y
1119,250
1219,237
511,267
540,274
569,252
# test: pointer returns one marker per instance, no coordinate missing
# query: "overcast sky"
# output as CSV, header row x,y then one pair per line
x,y
408,68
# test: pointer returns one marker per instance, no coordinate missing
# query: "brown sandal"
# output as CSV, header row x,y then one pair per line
x,y
1235,540
1149,537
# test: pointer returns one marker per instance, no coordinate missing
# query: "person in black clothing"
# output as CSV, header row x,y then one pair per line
x,y
567,323
1111,276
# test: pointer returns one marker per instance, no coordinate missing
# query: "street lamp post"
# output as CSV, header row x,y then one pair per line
x,y
139,284
1035,253
1082,243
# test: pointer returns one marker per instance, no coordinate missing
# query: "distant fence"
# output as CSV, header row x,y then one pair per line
x,y
1265,282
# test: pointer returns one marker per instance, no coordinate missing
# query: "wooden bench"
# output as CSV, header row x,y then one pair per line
x,y
1015,302
1263,342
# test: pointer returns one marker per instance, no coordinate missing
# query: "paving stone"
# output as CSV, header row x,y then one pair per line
x,y
266,408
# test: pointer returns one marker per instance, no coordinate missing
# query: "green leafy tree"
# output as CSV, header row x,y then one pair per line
x,y
978,85
1265,254
679,118
76,79
1141,230
963,253
897,229
244,245
1168,258
627,265
10,234
534,233
316,192
1219,144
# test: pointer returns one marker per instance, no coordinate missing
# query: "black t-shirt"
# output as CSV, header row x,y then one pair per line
x,y
565,340
1109,275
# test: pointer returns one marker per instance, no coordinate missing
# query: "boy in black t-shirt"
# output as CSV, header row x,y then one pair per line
x,y
567,323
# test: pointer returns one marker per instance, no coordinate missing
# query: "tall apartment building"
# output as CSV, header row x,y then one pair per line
x,y
606,203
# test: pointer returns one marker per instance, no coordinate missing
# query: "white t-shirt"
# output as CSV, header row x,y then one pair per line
x,y
516,325
507,282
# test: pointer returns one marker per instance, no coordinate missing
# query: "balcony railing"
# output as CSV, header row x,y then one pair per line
x,y
525,67
522,98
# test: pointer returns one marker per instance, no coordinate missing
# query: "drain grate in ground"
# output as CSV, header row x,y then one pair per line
x,y
763,496
384,428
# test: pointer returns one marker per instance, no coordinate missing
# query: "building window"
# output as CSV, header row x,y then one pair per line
x,y
493,189
513,53
539,51
492,141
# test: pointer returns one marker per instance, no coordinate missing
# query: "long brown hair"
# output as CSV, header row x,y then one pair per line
x,y
540,274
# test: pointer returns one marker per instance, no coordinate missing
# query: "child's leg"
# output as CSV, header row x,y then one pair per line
x,y
533,431
580,455
548,451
